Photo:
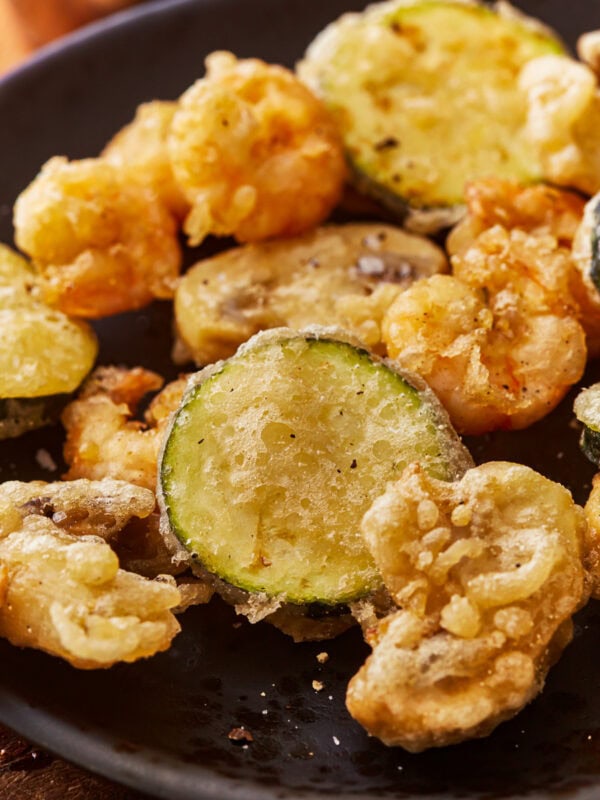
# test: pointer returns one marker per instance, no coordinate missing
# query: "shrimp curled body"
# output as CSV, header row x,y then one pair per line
x,y
255,153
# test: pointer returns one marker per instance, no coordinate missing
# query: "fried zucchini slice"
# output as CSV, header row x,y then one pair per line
x,y
44,355
587,411
426,97
275,455
344,275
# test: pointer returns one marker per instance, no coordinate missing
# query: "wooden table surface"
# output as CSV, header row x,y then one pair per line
x,y
26,772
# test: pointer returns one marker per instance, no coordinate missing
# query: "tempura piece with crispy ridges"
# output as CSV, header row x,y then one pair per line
x,y
486,573
102,241
64,593
255,153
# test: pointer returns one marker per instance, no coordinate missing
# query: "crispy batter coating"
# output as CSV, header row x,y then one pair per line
x,y
141,147
585,290
81,223
541,211
592,513
103,441
563,120
102,438
64,592
487,573
81,507
500,341
344,275
255,153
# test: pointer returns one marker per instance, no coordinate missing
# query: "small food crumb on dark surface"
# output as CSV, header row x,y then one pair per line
x,y
240,736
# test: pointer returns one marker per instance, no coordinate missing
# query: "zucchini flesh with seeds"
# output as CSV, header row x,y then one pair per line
x,y
587,411
274,456
426,96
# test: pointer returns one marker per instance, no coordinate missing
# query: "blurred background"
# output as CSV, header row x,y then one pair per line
x,y
28,24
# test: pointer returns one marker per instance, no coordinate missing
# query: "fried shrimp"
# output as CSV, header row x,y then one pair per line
x,y
487,573
563,120
102,438
141,148
81,223
65,593
103,441
255,153
539,210
499,341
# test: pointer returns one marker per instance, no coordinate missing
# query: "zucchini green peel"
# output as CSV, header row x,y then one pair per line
x,y
425,93
275,455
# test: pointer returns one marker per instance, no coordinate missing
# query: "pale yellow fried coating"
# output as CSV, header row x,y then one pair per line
x,y
486,573
81,507
255,153
500,341
102,438
141,148
585,291
344,275
103,242
563,119
65,593
592,513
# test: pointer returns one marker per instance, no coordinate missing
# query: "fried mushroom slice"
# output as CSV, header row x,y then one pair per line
x,y
255,153
141,147
66,595
344,275
80,222
487,573
81,507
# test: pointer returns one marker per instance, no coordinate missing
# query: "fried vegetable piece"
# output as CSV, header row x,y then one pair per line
x,y
344,275
592,513
104,441
274,455
141,148
586,257
102,438
81,507
44,355
487,573
64,593
563,119
500,341
587,411
80,223
425,96
255,153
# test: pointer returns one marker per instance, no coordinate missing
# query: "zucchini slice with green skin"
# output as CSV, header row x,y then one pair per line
x,y
425,93
44,355
587,411
275,454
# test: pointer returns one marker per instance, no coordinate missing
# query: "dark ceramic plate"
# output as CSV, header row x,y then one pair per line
x,y
161,726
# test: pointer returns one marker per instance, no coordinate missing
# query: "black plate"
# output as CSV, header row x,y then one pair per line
x,y
161,726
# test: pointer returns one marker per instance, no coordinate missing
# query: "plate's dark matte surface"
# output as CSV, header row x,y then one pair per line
x,y
162,726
